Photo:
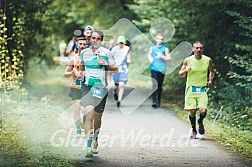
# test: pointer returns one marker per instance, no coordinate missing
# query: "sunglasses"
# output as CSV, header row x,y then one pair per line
x,y
198,47
82,44
94,38
160,39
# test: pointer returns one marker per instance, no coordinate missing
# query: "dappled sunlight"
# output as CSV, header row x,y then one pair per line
x,y
38,38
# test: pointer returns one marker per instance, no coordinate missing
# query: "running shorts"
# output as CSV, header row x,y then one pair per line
x,y
195,100
94,96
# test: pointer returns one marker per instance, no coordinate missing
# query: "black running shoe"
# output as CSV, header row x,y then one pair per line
x,y
154,105
118,103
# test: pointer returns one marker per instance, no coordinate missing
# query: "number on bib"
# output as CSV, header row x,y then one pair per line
x,y
198,89
97,92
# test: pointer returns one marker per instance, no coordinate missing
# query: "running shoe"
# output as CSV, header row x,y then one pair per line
x,y
154,105
89,153
118,103
193,135
201,129
95,149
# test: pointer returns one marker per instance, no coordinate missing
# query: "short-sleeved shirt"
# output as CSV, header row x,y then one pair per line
x,y
95,73
158,64
120,54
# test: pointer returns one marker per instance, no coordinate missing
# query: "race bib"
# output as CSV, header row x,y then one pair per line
x,y
121,69
78,81
198,89
97,92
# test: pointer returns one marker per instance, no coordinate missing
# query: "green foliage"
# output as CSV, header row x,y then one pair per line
x,y
11,60
236,110
28,119
172,88
23,37
33,28
225,29
239,141
75,15
12,145
228,135
20,138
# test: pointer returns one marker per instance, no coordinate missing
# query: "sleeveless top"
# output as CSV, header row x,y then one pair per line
x,y
76,82
158,64
197,76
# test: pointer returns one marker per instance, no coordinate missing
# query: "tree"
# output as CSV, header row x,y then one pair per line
x,y
225,29
29,27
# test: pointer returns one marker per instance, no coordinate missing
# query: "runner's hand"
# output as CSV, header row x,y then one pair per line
x,y
209,83
158,55
188,68
102,61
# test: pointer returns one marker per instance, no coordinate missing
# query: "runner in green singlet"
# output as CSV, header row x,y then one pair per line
x,y
197,67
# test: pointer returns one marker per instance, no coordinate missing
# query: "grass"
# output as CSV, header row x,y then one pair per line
x,y
28,112
240,142
24,141
26,115
234,139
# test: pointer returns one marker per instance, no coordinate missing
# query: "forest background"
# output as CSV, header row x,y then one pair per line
x,y
30,32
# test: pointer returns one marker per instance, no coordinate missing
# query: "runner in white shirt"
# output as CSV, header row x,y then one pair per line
x,y
95,61
122,58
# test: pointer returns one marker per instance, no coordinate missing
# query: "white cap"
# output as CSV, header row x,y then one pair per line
x,y
121,38
88,27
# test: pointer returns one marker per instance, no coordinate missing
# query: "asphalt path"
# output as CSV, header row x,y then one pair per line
x,y
153,137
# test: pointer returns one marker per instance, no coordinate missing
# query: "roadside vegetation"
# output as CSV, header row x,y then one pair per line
x,y
29,39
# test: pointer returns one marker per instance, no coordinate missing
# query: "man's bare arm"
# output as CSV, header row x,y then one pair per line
x,y
211,73
184,69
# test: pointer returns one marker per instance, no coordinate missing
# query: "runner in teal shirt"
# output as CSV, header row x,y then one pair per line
x,y
158,56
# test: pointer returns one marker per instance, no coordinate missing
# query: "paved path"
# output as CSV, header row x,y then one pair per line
x,y
153,137
147,137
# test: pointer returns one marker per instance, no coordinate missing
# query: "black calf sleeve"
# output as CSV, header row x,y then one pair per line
x,y
202,116
193,122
